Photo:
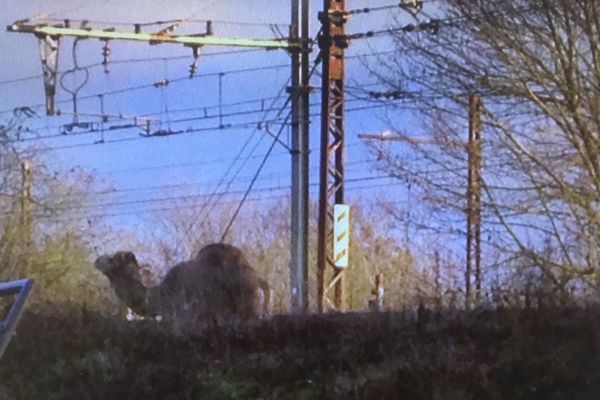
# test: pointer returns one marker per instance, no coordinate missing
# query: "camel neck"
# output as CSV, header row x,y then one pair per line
x,y
134,295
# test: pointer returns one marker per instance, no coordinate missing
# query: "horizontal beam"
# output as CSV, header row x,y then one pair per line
x,y
154,38
416,140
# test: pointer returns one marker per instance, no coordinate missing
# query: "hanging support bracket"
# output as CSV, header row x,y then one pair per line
x,y
48,46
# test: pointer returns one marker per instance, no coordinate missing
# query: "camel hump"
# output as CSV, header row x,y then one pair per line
x,y
220,254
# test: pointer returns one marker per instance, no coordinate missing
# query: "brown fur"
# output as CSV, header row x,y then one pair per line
x,y
218,285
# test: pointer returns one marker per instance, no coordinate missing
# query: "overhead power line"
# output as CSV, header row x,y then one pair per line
x,y
149,117
182,78
243,148
409,6
154,84
170,22
189,185
274,142
433,26
184,197
269,189
138,126
357,91
214,129
359,88
137,60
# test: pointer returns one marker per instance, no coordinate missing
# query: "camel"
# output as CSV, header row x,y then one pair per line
x,y
217,286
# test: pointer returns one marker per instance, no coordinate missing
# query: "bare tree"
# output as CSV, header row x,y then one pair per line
x,y
536,63
56,251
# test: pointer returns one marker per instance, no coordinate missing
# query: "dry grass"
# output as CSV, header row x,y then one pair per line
x,y
506,354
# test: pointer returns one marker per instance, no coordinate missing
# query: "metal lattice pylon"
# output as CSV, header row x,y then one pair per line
x,y
332,42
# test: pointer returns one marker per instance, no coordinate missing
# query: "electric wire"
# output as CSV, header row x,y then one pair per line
x,y
246,144
260,168
154,84
137,60
163,167
356,91
170,22
252,150
88,217
434,25
174,80
184,197
147,117
213,129
415,7
272,146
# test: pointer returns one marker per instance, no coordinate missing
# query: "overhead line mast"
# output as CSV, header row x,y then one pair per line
x,y
333,213
300,91
333,41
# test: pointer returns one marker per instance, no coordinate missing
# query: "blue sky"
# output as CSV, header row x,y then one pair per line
x,y
141,169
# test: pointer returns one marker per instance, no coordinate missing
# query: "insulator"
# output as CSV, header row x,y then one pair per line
x,y
194,65
415,5
193,69
105,56
341,41
163,83
338,18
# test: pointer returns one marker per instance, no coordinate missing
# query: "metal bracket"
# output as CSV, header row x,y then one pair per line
x,y
152,38
20,289
194,66
79,127
49,55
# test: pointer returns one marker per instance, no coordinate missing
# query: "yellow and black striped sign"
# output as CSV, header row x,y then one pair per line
x,y
341,235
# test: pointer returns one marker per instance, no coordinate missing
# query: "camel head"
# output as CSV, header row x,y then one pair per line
x,y
122,264
124,274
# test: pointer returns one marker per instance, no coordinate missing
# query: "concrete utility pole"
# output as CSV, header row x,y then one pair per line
x,y
300,155
474,183
26,211
332,42
474,202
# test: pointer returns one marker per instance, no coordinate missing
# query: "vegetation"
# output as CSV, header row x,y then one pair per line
x,y
535,333
506,354
535,64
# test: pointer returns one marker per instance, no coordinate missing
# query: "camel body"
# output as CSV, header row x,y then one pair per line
x,y
217,286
